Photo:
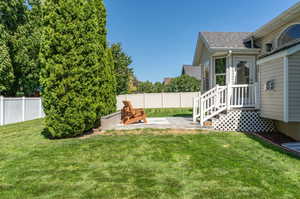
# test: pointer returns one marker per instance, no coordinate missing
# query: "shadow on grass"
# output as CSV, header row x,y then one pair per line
x,y
49,136
275,147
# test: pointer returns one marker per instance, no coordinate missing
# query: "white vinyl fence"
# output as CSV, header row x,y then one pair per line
x,y
13,110
159,100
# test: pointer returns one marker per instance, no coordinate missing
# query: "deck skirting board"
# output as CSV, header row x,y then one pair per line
x,y
243,121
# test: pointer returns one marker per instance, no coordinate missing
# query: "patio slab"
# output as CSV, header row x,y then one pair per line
x,y
162,123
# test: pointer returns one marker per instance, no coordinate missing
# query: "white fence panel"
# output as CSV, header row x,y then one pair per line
x,y
138,100
33,108
155,100
172,100
159,100
13,110
187,99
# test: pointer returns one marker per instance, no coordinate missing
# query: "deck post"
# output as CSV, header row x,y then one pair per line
x,y
194,110
257,95
201,112
228,96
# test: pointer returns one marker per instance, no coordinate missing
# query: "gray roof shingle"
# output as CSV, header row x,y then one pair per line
x,y
192,71
233,40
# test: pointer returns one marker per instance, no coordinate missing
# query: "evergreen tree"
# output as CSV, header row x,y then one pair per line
x,y
78,78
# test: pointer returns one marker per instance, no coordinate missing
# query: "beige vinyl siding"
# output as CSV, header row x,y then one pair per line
x,y
272,101
204,59
294,88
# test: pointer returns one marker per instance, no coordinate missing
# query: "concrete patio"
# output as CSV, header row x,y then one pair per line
x,y
162,123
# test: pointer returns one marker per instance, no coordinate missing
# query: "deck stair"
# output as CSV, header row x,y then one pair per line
x,y
231,108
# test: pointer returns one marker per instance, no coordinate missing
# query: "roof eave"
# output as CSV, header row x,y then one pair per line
x,y
236,50
276,22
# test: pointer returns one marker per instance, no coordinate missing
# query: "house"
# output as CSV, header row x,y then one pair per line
x,y
248,75
192,71
167,80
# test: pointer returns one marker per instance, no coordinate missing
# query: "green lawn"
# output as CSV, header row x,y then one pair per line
x,y
205,165
170,112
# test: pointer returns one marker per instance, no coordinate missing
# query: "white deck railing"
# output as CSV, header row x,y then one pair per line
x,y
222,98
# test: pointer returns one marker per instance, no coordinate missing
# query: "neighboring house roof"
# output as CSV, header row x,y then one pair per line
x,y
225,40
192,71
167,80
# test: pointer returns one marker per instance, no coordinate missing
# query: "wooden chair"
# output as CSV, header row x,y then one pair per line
x,y
131,115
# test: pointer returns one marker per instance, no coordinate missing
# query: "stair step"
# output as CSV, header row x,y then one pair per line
x,y
208,123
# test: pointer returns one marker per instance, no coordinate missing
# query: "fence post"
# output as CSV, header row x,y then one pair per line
x,y
23,109
2,110
180,98
162,100
144,100
41,107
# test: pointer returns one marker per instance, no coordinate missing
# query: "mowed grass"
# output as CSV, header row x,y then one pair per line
x,y
188,166
169,112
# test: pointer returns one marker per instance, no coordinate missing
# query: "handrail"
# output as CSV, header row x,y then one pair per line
x,y
221,98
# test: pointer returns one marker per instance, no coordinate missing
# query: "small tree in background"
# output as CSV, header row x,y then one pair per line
x,y
124,74
78,80
158,87
145,87
183,83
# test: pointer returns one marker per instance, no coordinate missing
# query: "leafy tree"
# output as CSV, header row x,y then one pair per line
x,y
6,69
124,74
183,83
26,48
78,80
145,87
22,20
12,14
158,87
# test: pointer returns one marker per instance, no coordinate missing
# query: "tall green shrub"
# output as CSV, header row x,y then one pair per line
x,y
78,81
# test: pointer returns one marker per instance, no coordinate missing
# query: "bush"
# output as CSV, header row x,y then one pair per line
x,y
78,81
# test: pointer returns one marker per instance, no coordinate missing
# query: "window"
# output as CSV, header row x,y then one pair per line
x,y
269,47
220,71
290,34
243,73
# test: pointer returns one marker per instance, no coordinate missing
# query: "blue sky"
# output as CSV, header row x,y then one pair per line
x,y
161,35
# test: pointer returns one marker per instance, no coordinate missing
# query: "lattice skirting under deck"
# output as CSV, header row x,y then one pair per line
x,y
243,121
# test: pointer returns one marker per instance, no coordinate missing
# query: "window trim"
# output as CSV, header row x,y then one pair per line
x,y
220,74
